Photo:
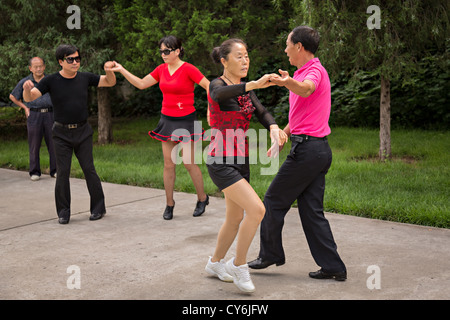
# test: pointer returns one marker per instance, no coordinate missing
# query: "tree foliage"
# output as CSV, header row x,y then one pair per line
x,y
419,101
201,25
409,30
410,48
405,31
35,28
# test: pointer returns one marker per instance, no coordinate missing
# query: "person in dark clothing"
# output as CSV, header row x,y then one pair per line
x,y
39,115
68,90
231,105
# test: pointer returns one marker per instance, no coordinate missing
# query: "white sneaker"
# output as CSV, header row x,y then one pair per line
x,y
218,269
35,177
241,276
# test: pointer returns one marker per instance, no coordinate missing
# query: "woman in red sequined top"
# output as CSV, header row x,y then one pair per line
x,y
231,105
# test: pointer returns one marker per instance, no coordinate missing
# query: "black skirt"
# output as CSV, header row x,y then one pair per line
x,y
178,129
225,174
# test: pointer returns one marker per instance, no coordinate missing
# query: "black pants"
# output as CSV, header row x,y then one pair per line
x,y
301,177
66,142
39,125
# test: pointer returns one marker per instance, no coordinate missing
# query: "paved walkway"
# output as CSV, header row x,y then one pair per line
x,y
132,253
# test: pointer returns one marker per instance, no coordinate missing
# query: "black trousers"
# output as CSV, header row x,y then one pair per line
x,y
301,177
39,125
66,142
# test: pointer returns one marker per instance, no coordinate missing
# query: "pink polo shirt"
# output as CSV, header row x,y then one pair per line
x,y
310,115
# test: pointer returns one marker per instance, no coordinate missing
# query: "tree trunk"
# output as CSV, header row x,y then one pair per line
x,y
385,119
104,116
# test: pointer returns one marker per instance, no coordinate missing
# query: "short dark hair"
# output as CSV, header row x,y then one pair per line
x,y
65,50
172,42
36,57
307,36
225,48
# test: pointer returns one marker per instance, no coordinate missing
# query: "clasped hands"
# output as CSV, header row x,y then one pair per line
x,y
108,66
273,79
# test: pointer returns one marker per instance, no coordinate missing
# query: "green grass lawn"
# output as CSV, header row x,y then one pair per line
x,y
412,187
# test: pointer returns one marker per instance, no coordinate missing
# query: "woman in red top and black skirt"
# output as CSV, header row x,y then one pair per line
x,y
231,105
176,80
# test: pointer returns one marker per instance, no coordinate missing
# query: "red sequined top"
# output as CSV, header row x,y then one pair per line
x,y
231,109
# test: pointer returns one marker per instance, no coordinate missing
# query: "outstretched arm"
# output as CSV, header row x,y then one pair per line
x,y
139,83
261,83
303,89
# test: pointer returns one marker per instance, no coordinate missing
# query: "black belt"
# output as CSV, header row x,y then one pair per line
x,y
42,110
70,126
303,137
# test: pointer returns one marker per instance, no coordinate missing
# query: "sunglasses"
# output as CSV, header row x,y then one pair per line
x,y
166,52
70,60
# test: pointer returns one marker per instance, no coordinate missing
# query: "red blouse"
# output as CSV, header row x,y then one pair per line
x,y
177,89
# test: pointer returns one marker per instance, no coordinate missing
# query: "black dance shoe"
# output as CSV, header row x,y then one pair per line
x,y
96,216
259,263
320,274
168,213
200,207
63,220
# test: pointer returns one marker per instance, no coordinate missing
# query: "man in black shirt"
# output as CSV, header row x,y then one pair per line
x,y
68,90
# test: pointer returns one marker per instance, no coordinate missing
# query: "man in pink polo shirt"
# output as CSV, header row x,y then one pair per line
x,y
302,175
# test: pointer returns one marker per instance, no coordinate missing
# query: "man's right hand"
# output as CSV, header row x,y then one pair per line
x,y
28,85
280,80
28,95
117,67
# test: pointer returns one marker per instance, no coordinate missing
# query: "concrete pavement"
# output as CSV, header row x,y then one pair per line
x,y
132,253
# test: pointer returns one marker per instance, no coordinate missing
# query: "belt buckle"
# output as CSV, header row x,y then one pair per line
x,y
298,139
72,126
44,110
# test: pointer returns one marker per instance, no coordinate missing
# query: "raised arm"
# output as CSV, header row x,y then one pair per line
x,y
108,80
303,89
30,93
261,83
223,91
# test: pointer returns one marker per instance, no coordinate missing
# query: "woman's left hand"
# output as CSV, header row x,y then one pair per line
x,y
278,138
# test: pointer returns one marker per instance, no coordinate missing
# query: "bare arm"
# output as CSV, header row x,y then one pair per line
x,y
303,89
204,84
20,104
283,138
261,83
139,83
30,93
287,130
108,80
